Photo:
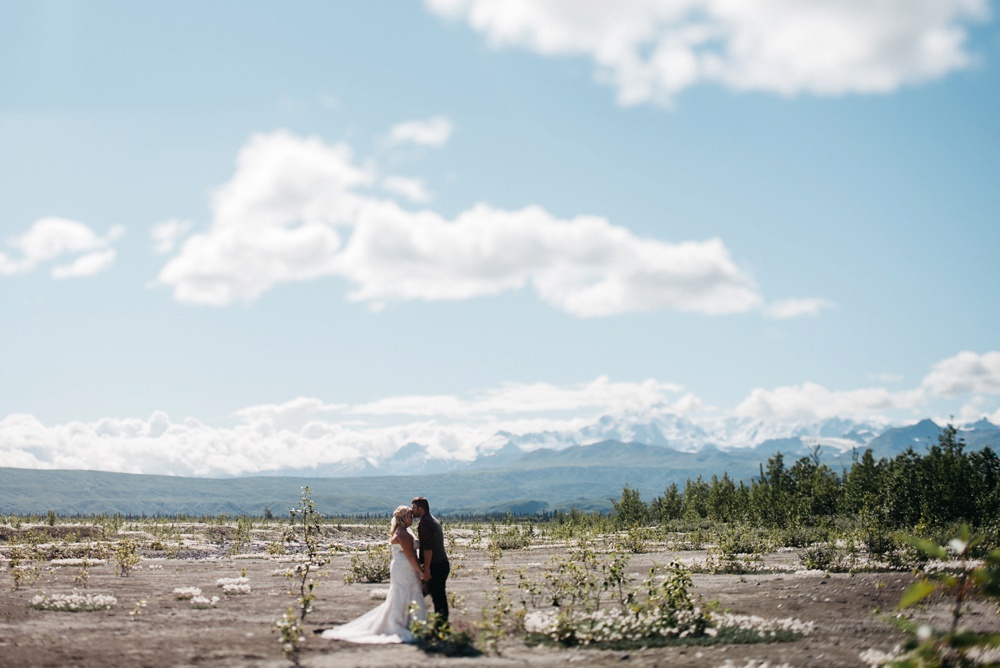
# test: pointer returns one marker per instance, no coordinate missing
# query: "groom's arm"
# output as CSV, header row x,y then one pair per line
x,y
425,534
427,563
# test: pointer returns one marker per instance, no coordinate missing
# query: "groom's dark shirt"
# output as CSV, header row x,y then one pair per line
x,y
431,538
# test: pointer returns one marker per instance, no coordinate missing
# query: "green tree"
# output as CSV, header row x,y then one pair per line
x,y
668,507
861,484
722,499
902,494
816,488
949,478
695,499
771,494
629,510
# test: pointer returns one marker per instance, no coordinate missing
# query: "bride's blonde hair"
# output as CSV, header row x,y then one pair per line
x,y
399,515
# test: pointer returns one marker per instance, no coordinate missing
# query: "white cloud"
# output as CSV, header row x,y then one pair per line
x,y
650,50
411,189
794,308
306,432
291,414
965,373
584,266
810,402
280,218
273,221
90,264
432,132
53,238
167,234
526,398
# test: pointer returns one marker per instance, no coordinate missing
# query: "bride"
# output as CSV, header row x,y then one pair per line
x,y
390,621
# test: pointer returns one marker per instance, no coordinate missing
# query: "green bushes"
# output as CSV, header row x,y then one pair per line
x,y
511,537
372,565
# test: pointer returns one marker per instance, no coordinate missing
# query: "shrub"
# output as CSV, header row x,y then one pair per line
x,y
372,565
820,557
126,553
512,537
436,637
635,541
965,580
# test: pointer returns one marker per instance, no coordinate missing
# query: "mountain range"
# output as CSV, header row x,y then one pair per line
x,y
519,473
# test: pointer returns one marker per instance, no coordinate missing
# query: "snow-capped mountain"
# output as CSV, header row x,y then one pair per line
x,y
836,437
722,441
687,436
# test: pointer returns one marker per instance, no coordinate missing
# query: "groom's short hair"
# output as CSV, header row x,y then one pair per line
x,y
421,502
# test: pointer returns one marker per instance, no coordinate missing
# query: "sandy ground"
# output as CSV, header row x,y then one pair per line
x,y
238,630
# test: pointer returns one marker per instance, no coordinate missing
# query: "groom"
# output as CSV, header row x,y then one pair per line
x,y
433,557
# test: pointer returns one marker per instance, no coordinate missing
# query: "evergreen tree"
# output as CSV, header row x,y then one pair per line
x,y
695,499
668,507
629,510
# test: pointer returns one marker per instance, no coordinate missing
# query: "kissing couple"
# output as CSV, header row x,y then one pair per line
x,y
419,567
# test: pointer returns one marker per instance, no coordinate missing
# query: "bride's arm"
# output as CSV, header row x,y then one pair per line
x,y
406,542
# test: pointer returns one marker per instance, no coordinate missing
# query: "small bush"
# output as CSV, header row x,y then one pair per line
x,y
512,537
436,637
372,565
820,557
635,541
126,554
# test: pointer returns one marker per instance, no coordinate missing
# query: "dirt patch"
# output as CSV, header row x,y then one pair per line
x,y
238,630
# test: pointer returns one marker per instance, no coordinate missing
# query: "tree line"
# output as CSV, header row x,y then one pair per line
x,y
946,485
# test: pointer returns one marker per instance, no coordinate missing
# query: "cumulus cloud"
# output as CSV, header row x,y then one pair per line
x,y
810,402
290,414
965,373
432,132
650,50
53,238
585,266
411,189
281,218
794,308
306,431
969,376
517,398
167,234
90,264
273,221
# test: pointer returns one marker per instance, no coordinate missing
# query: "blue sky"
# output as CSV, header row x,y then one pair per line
x,y
237,234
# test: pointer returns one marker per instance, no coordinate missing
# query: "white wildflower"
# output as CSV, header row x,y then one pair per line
x,y
222,582
958,545
235,589
186,593
202,603
75,602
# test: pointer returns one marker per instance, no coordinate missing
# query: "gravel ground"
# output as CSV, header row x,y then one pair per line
x,y
238,630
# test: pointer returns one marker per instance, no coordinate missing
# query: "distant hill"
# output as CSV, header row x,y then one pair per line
x,y
509,479
582,477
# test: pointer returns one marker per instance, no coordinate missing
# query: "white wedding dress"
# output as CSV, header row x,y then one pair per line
x,y
389,622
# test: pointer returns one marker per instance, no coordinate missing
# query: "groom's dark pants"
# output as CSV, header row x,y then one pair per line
x,y
436,588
